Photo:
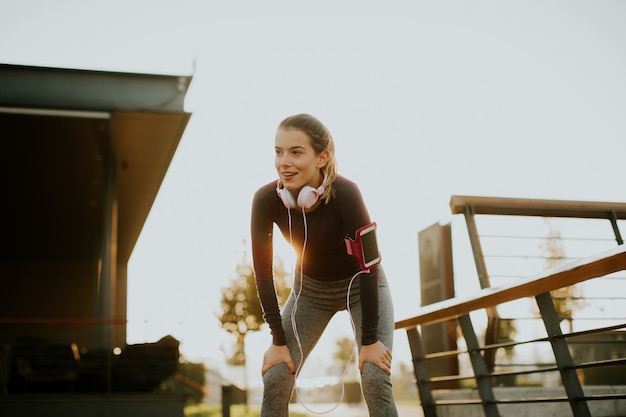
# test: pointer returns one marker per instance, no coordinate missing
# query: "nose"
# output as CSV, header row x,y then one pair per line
x,y
284,160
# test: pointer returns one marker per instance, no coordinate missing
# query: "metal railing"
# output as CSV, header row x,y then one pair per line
x,y
570,363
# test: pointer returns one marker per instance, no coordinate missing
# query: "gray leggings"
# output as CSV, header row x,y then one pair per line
x,y
317,304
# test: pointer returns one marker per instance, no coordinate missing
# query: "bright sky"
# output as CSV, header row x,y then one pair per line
x,y
425,99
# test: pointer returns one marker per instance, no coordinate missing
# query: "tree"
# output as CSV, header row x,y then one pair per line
x,y
345,351
241,308
507,330
566,299
346,357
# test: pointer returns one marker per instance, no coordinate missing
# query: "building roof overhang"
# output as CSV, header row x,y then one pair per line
x,y
60,129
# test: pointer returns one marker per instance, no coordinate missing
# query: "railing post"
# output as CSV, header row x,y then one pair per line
x,y
618,235
477,250
232,394
421,372
562,355
483,378
493,320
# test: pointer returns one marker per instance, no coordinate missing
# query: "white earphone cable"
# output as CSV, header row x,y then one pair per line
x,y
294,325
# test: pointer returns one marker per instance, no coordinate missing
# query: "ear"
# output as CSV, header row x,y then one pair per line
x,y
322,159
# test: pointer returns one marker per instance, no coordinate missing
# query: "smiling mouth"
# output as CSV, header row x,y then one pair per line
x,y
288,175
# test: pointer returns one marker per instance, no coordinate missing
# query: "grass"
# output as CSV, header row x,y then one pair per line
x,y
206,410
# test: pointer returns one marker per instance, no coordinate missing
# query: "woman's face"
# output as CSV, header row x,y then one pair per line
x,y
296,162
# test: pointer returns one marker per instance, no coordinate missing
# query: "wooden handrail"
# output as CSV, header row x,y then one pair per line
x,y
537,207
554,278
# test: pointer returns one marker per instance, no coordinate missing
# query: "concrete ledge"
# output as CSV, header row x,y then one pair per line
x,y
598,408
92,405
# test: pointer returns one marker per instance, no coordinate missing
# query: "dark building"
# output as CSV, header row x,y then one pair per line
x,y
83,156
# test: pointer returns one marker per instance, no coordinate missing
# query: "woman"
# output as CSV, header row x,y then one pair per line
x,y
315,210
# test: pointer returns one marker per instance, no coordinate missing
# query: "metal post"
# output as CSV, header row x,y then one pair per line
x,y
421,373
226,401
618,235
491,333
477,250
562,355
483,378
232,394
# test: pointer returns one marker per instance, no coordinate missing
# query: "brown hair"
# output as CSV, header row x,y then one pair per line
x,y
321,140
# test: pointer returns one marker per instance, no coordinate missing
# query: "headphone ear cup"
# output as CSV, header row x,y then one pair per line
x,y
307,197
287,198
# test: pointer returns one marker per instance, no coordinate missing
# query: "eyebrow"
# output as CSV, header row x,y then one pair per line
x,y
293,147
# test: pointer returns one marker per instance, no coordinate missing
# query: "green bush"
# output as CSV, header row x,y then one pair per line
x,y
205,410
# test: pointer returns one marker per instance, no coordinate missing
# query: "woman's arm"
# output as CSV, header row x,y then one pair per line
x,y
355,215
261,228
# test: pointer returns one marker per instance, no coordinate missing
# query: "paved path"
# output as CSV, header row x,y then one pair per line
x,y
353,410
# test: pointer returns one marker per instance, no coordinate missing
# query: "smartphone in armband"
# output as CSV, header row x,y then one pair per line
x,y
364,247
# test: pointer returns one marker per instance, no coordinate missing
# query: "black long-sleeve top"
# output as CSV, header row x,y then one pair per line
x,y
325,257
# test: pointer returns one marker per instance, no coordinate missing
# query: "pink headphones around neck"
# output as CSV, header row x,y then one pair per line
x,y
307,197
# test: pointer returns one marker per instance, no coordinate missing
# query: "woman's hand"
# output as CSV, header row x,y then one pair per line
x,y
275,355
378,354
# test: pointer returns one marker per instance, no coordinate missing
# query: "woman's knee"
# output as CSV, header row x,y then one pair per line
x,y
374,380
278,378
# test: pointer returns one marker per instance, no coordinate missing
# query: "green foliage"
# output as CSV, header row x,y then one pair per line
x,y
605,375
507,330
567,299
344,352
190,380
404,386
241,308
